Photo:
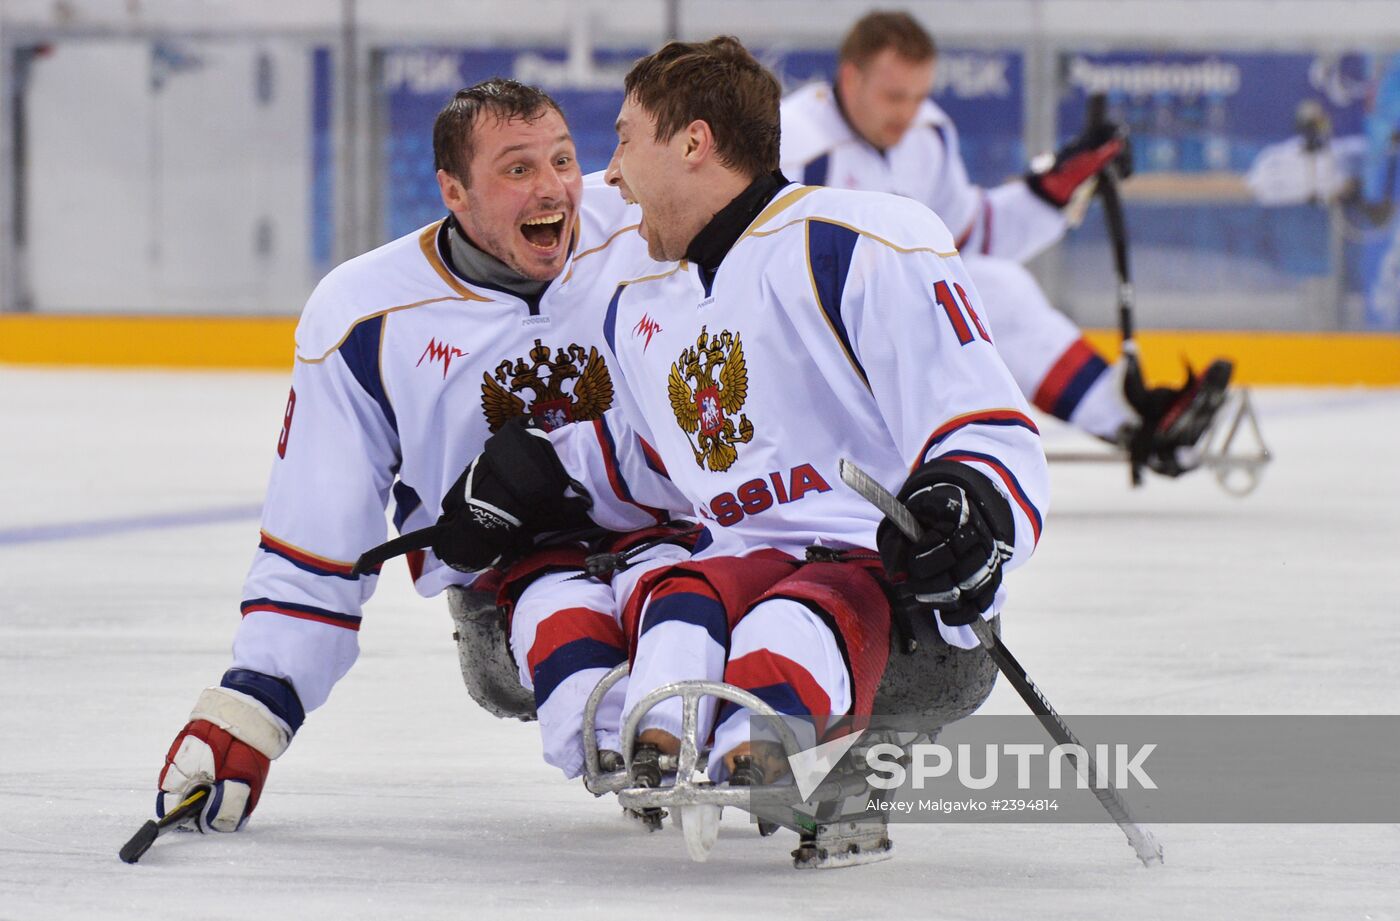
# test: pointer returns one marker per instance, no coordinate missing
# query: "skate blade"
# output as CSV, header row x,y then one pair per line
x,y
650,818
1233,448
843,844
845,859
700,828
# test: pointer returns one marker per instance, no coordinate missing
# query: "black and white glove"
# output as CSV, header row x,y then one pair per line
x,y
1054,179
968,531
516,488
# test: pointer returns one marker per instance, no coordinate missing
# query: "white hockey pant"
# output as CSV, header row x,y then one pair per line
x,y
780,651
565,635
1053,364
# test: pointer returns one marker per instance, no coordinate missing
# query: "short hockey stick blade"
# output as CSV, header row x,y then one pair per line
x,y
1140,838
141,842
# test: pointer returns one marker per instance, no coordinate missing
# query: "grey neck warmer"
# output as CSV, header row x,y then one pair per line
x,y
478,266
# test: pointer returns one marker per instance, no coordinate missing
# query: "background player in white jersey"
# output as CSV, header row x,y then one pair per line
x,y
801,325
877,129
408,359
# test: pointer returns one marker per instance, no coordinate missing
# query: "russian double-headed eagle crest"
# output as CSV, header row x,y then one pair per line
x,y
715,367
554,400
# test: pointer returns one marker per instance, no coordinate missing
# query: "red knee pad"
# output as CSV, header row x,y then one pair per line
x,y
848,593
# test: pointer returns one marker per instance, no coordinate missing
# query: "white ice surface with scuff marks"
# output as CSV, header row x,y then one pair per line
x,y
401,799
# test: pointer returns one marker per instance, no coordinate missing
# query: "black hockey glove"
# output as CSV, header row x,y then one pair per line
x,y
967,532
1055,179
514,490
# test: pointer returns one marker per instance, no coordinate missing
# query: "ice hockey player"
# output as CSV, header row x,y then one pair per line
x,y
408,359
788,327
876,129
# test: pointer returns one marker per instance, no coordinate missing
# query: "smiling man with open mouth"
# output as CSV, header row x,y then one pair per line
x,y
513,197
409,359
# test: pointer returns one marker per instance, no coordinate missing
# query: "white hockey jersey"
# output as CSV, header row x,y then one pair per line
x,y
819,147
840,325
402,371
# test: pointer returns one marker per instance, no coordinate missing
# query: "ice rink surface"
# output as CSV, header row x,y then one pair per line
x,y
131,516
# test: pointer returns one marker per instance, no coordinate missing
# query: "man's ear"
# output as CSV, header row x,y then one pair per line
x,y
699,142
847,76
454,193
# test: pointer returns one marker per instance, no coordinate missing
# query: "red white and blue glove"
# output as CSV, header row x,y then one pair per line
x,y
1054,179
234,732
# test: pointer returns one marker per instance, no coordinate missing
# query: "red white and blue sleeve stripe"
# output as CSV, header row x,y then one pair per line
x,y
998,442
624,474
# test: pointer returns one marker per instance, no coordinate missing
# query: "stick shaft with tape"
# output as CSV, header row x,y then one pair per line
x,y
1146,847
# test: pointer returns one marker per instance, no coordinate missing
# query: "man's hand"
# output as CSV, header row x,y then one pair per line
x,y
955,565
1098,147
474,533
516,488
228,746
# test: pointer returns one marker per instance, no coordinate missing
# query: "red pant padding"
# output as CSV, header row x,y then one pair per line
x,y
736,581
850,593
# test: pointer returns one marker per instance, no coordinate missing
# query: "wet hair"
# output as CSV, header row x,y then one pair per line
x,y
504,99
720,83
881,29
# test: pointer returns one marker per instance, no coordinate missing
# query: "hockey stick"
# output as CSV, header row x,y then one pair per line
x,y
1107,191
375,557
1144,844
1225,465
141,842
1117,230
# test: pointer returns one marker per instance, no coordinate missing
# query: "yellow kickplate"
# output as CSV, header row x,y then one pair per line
x,y
1267,358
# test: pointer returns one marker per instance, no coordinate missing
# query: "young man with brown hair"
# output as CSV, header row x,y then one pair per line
x,y
877,130
790,327
409,359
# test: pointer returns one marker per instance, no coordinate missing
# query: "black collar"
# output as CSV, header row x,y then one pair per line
x,y
714,240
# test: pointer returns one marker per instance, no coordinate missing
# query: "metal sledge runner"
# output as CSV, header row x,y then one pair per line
x,y
834,827
1232,447
490,678
1207,424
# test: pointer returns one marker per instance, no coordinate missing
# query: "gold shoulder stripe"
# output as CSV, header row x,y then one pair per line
x,y
779,229
878,239
828,310
427,241
606,243
779,205
380,313
634,281
597,249
945,254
